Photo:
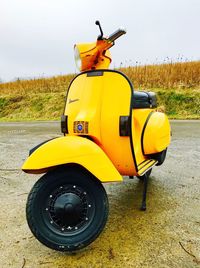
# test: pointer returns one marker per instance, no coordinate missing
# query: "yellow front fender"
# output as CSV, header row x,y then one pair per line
x,y
72,149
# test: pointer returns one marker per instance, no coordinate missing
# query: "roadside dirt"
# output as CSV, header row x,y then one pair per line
x,y
166,235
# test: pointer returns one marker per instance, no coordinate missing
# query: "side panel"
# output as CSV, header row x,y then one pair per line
x,y
65,150
156,136
151,134
139,118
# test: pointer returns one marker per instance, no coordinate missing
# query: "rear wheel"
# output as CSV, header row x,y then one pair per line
x,y
160,157
67,209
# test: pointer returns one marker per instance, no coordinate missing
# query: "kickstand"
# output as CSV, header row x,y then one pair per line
x,y
145,181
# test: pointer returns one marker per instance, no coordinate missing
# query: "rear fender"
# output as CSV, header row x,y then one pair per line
x,y
72,150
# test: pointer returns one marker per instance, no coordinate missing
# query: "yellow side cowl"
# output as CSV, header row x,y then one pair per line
x,y
69,150
156,134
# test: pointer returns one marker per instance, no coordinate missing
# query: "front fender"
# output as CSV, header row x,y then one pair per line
x,y
68,150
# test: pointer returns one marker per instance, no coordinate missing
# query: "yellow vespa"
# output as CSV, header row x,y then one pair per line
x,y
110,131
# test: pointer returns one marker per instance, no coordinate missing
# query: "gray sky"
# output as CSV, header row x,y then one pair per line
x,y
37,36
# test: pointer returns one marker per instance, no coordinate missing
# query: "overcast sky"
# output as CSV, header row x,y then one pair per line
x,y
37,36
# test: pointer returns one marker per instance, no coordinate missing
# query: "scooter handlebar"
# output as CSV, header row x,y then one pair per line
x,y
116,35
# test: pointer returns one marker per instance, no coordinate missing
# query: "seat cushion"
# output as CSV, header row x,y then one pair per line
x,y
142,99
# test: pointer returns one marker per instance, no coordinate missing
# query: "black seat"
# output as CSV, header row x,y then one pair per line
x,y
142,99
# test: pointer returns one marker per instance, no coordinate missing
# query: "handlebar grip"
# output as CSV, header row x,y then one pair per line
x,y
116,35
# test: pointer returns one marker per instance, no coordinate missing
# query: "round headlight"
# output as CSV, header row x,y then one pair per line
x,y
77,57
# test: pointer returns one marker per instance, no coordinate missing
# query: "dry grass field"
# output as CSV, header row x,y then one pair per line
x,y
177,75
177,86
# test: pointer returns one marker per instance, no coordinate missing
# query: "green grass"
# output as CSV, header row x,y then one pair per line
x,y
41,106
180,103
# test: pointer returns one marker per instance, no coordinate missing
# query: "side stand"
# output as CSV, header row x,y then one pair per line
x,y
145,181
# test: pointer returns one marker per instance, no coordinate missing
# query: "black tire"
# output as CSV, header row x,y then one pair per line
x,y
160,157
67,209
148,173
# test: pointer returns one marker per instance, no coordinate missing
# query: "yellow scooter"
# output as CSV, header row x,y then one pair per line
x,y
110,131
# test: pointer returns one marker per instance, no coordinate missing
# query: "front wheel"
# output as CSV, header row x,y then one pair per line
x,y
67,209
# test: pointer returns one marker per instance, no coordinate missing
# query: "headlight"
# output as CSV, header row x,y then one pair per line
x,y
77,57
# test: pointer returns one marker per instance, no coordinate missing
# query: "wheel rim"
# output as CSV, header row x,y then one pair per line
x,y
69,210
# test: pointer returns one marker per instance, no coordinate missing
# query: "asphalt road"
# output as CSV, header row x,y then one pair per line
x,y
166,235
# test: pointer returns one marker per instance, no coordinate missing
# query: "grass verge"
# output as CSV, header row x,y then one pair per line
x,y
177,86
178,104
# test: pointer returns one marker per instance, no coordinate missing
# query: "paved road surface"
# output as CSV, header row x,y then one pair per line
x,y
166,235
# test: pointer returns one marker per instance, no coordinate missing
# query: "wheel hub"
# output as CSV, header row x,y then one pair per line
x,y
69,208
